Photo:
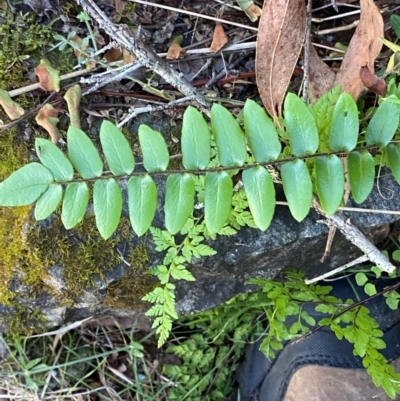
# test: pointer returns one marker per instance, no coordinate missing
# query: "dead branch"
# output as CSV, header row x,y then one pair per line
x,y
144,54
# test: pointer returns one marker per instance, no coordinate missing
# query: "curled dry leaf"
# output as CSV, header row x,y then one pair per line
x,y
11,108
49,77
219,38
113,55
251,9
281,35
73,98
47,118
175,50
127,57
372,82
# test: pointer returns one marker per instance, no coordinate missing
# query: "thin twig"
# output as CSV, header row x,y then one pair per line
x,y
354,262
356,237
306,49
181,11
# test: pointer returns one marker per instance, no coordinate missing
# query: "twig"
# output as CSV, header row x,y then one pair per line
x,y
306,49
354,262
150,108
103,81
181,11
144,54
356,237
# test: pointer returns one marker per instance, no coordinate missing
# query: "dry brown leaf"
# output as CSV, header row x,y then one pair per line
x,y
219,38
113,55
363,49
320,76
175,50
127,57
11,108
372,82
281,35
47,118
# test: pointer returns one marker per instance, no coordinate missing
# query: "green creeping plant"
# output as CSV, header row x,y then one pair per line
x,y
43,182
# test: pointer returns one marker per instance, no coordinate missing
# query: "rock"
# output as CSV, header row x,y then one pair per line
x,y
86,277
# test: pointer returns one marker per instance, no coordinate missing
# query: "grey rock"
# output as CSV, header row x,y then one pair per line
x,y
251,253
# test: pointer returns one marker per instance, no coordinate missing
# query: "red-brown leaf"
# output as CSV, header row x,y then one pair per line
x,y
372,82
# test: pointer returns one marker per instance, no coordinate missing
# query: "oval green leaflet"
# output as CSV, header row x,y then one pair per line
x,y
75,203
218,189
261,133
83,154
229,137
154,149
260,192
107,204
345,124
383,124
361,167
142,202
300,126
116,149
48,202
179,201
195,140
329,182
54,159
393,158
297,186
24,186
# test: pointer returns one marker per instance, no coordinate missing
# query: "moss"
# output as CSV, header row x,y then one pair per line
x,y
21,38
129,290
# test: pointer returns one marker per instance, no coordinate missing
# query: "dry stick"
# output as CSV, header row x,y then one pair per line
x,y
356,237
354,262
306,48
144,54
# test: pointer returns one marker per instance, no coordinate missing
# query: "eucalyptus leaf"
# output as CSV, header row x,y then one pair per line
x,y
361,168
261,133
300,126
345,124
83,154
116,149
107,203
48,202
142,202
260,192
154,149
218,189
24,186
297,186
229,137
179,201
75,203
383,124
329,182
393,157
195,140
54,159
